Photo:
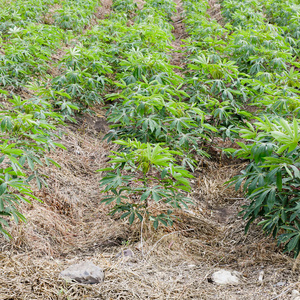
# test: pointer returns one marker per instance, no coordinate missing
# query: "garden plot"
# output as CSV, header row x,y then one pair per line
x,y
163,93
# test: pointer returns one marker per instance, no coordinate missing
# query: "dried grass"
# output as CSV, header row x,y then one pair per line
x,y
169,263
177,266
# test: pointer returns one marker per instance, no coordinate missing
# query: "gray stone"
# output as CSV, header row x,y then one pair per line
x,y
125,253
85,272
280,283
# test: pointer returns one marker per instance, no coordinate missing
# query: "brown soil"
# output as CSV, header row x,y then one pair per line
x,y
140,3
48,18
178,51
104,9
215,11
169,263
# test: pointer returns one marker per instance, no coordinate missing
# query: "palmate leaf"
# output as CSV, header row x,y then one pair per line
x,y
6,124
4,92
294,243
117,197
156,193
279,180
131,218
114,180
3,188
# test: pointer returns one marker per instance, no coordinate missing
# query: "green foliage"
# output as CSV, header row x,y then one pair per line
x,y
75,14
128,6
250,61
85,74
163,118
271,181
27,125
26,134
143,173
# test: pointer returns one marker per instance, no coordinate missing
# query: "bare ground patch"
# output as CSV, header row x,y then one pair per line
x,y
215,11
104,9
178,54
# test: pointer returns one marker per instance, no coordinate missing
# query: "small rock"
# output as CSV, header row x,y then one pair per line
x,y
125,253
261,276
225,277
295,295
280,283
84,272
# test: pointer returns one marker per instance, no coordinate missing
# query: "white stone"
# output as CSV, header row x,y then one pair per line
x,y
295,295
225,277
261,276
84,272
280,283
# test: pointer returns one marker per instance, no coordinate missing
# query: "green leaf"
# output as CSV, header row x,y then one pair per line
x,y
155,196
271,198
145,195
6,124
3,92
131,218
279,180
163,222
60,146
164,173
125,215
3,187
155,224
293,243
139,216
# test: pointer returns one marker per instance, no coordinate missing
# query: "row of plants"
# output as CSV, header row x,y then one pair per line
x,y
28,123
152,108
75,15
286,15
260,57
19,13
271,178
27,43
72,15
27,134
151,122
255,61
163,118
25,53
108,56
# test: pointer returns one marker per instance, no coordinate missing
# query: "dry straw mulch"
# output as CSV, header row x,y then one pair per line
x,y
169,263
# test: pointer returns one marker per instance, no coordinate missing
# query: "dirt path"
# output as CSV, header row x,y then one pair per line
x,y
178,52
215,11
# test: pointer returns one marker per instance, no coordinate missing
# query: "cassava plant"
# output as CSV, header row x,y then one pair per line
x,y
26,134
142,174
271,181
